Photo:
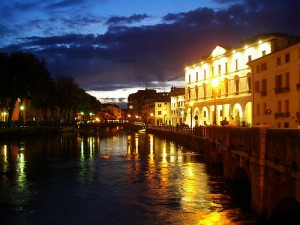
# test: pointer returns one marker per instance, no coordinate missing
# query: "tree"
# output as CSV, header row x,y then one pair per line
x,y
21,74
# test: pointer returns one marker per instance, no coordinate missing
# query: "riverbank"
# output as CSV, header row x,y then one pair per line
x,y
34,131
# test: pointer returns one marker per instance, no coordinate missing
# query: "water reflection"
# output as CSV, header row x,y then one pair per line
x,y
146,180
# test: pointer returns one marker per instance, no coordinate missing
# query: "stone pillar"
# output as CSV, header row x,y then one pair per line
x,y
258,169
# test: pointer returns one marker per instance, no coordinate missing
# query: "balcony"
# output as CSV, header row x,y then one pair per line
x,y
281,90
282,115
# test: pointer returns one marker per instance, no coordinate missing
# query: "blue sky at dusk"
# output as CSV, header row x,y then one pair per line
x,y
114,47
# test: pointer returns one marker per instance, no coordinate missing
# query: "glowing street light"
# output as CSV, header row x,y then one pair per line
x,y
215,83
21,113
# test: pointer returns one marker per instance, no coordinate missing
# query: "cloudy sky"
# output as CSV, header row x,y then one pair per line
x,y
114,47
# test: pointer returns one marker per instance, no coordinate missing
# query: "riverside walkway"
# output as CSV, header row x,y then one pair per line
x,y
266,160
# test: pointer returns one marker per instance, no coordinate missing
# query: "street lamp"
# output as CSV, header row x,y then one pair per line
x,y
215,83
21,110
191,104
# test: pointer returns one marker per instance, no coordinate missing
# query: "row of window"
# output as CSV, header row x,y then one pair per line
x,y
282,84
226,88
263,66
219,70
283,109
177,104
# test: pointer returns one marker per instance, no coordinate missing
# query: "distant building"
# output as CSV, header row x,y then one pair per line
x,y
177,106
276,89
110,112
137,100
162,112
150,107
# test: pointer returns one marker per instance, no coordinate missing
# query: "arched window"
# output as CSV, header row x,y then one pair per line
x,y
237,84
196,92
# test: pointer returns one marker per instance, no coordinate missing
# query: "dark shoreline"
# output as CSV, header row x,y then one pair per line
x,y
34,131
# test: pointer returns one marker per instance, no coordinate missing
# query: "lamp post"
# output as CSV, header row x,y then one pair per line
x,y
215,84
191,104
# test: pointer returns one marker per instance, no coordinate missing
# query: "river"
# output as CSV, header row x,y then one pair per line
x,y
144,179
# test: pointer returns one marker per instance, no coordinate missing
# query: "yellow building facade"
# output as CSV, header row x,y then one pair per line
x,y
219,87
276,89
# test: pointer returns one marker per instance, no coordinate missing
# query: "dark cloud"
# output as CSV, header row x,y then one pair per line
x,y
121,20
126,56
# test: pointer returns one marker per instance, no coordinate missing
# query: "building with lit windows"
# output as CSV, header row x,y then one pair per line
x,y
276,89
162,113
110,112
177,106
219,86
137,100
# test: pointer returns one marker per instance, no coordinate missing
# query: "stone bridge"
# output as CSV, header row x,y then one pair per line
x,y
96,126
263,163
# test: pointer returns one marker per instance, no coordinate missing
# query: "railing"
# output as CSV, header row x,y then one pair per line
x,y
278,115
199,131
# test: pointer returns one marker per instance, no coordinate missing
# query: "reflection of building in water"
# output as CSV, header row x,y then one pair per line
x,y
151,147
129,144
136,147
194,191
4,158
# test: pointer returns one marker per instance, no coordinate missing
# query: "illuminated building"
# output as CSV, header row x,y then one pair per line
x,y
276,89
177,106
231,99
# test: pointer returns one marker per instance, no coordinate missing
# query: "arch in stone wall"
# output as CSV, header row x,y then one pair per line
x,y
237,114
241,187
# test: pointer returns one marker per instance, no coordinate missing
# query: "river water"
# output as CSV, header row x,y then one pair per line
x,y
145,180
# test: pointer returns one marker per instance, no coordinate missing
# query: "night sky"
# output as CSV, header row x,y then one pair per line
x,y
114,47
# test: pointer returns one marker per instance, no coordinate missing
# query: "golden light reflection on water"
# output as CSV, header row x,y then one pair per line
x,y
4,159
215,218
22,181
165,161
151,149
177,187
128,144
136,147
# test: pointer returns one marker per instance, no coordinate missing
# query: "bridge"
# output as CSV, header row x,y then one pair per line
x,y
111,124
263,163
